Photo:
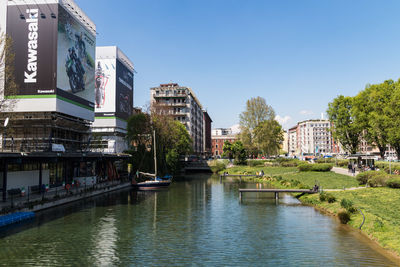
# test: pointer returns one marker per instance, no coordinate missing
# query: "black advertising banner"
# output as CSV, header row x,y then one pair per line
x,y
33,31
76,50
124,91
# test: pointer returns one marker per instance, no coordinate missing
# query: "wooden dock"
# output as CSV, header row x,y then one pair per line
x,y
276,191
238,175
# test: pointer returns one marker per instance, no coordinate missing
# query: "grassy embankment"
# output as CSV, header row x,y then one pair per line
x,y
284,175
379,205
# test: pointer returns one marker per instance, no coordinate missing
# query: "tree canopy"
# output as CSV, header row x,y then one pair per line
x,y
345,129
372,115
172,141
260,132
235,151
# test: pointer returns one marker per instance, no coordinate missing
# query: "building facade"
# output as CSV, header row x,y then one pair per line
x,y
312,137
113,100
285,142
207,134
219,137
46,135
181,103
292,141
54,46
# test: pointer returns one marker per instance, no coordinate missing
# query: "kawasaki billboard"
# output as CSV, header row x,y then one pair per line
x,y
54,59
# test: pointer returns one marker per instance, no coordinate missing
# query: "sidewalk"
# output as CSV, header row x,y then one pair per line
x,y
343,171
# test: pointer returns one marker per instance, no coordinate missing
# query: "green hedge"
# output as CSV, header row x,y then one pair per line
x,y
393,182
317,167
379,180
384,165
363,177
255,162
342,163
304,167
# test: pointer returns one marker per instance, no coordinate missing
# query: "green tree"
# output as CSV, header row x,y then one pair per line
x,y
256,114
257,111
139,135
239,152
393,124
369,112
227,150
180,143
345,129
235,151
269,136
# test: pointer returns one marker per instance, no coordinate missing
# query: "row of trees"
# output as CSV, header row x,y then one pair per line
x,y
172,141
260,132
373,115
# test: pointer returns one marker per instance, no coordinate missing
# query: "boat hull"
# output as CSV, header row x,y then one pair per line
x,y
152,185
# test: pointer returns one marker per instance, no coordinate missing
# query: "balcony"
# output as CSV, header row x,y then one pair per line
x,y
172,95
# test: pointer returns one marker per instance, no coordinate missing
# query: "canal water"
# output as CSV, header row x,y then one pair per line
x,y
196,222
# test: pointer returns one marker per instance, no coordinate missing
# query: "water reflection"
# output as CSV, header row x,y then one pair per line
x,y
198,221
104,241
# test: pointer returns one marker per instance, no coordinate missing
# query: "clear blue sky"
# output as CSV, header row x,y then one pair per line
x,y
298,55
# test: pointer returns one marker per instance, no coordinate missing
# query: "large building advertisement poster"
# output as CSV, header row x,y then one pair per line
x,y
32,28
124,92
75,58
105,85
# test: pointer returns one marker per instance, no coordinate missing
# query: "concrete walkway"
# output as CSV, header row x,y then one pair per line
x,y
343,171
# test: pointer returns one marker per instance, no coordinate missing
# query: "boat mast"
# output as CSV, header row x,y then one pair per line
x,y
155,155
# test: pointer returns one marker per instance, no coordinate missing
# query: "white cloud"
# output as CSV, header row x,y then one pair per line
x,y
306,112
283,120
235,129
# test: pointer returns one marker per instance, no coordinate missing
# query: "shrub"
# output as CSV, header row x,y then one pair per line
x,y
317,167
253,163
304,167
239,162
364,177
344,216
393,168
348,205
324,160
393,182
331,198
322,167
345,203
292,163
323,196
378,180
342,163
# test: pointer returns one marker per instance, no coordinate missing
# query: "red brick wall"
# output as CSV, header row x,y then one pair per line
x,y
218,144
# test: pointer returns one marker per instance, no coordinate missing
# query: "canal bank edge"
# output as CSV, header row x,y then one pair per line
x,y
73,198
387,252
330,209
